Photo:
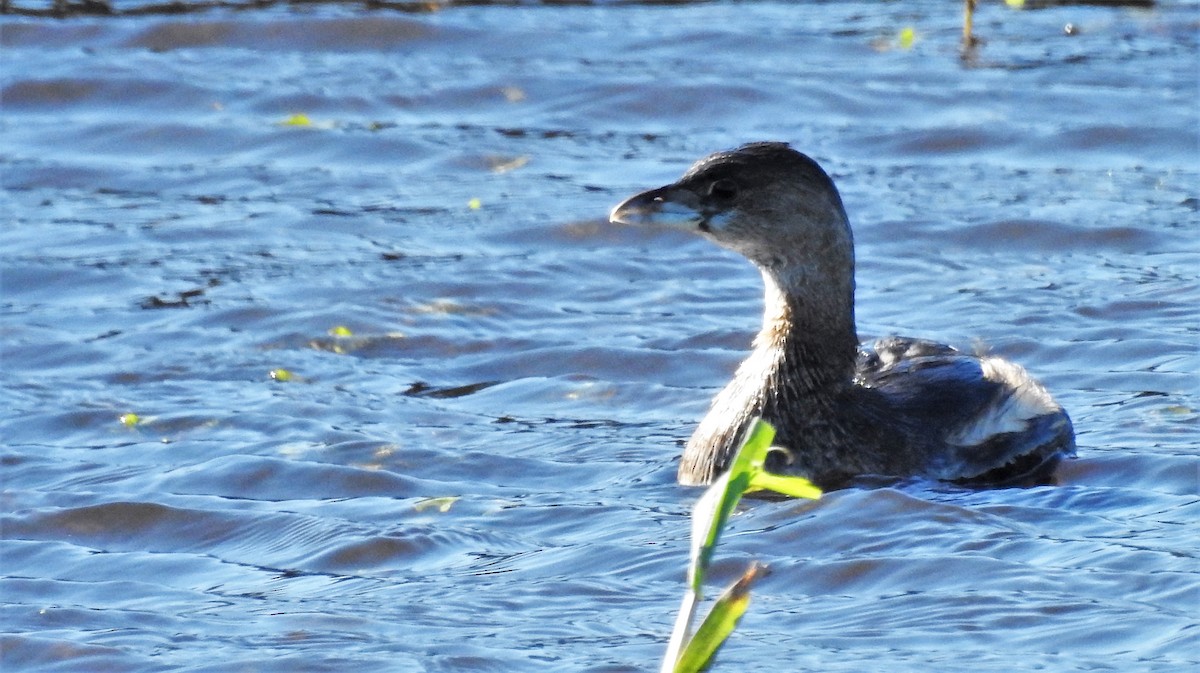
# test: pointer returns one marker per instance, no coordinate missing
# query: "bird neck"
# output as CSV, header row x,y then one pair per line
x,y
808,333
803,358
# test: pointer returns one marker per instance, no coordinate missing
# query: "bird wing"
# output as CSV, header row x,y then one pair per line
x,y
978,416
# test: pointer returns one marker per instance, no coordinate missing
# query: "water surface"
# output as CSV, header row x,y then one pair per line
x,y
481,476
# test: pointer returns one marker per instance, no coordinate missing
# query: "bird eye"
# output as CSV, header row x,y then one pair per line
x,y
723,190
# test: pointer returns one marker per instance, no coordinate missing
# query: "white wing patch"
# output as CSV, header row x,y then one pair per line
x,y
1023,400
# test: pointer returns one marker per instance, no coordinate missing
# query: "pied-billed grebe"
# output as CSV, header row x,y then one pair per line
x,y
898,407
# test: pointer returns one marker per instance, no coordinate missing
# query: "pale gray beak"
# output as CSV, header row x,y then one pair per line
x,y
667,206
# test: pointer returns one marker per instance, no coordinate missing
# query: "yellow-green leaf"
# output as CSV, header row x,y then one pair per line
x,y
714,507
720,622
442,504
796,487
298,119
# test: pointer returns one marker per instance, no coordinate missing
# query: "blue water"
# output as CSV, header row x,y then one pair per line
x,y
480,477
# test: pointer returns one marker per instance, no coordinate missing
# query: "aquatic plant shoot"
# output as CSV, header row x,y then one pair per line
x,y
747,473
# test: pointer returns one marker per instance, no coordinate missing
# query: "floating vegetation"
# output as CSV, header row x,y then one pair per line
x,y
342,340
184,299
299,119
442,504
903,40
504,164
447,306
281,375
513,94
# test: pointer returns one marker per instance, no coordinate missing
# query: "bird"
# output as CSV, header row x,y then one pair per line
x,y
898,407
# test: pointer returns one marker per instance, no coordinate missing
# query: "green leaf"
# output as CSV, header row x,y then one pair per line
x,y
715,506
754,449
796,487
747,472
720,622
